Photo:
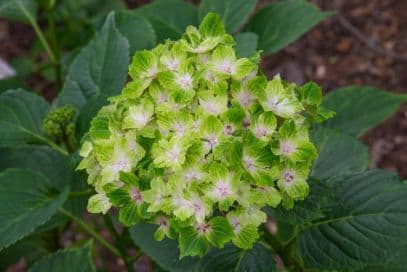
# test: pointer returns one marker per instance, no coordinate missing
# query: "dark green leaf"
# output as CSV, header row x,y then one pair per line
x,y
398,263
234,13
11,83
52,164
231,258
169,18
366,225
57,167
360,108
27,200
283,22
246,44
68,260
138,31
339,154
19,10
165,253
86,10
30,248
21,118
23,66
99,69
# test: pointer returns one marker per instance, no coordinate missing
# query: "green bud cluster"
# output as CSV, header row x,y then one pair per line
x,y
58,124
199,141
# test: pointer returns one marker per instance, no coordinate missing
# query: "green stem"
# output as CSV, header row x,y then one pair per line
x,y
285,251
51,144
91,231
267,245
134,258
38,31
81,193
55,47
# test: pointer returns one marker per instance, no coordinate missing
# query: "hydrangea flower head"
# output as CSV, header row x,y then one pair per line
x,y
199,141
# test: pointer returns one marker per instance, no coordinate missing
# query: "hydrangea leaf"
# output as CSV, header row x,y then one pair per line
x,y
61,174
246,44
21,118
338,153
31,248
72,259
169,24
88,76
231,258
19,10
35,199
142,37
366,108
281,23
366,224
234,13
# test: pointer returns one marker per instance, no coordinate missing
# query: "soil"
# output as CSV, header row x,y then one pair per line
x,y
365,44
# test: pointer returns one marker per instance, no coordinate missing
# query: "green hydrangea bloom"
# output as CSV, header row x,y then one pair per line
x,y
199,141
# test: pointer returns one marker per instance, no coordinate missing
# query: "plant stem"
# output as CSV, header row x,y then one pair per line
x,y
51,144
55,47
91,231
38,31
135,257
81,193
57,148
122,249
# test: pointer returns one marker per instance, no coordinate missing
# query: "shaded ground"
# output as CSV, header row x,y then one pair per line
x,y
331,55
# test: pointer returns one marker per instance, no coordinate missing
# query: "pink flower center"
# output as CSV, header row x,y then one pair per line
x,y
191,175
225,67
246,122
249,163
235,225
173,64
228,129
245,98
212,141
260,132
272,103
185,81
223,189
288,177
203,228
136,195
152,72
287,148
